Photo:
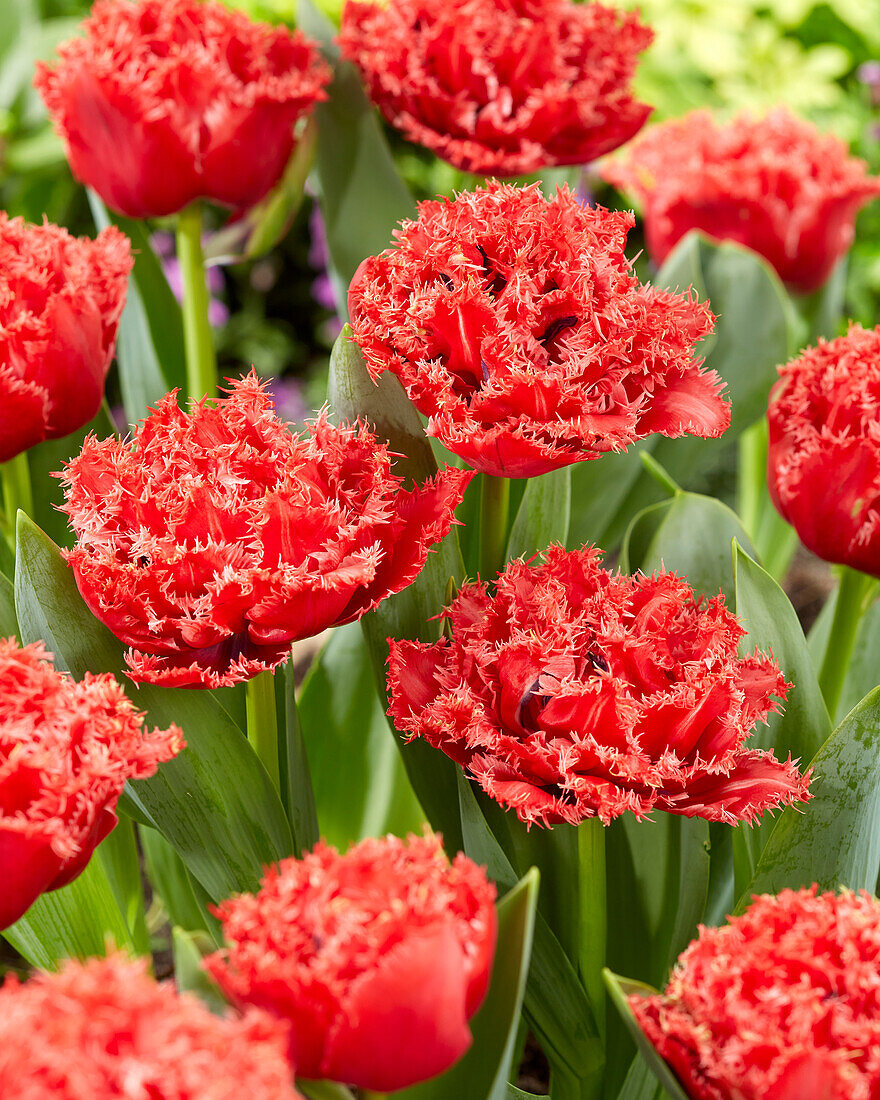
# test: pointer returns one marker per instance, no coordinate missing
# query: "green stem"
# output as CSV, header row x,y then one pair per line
x,y
752,476
201,362
494,511
15,477
853,596
262,723
297,793
593,926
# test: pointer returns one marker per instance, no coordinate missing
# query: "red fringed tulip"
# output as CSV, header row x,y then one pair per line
x,y
516,326
167,101
501,87
66,751
573,693
378,958
61,298
105,1030
774,184
779,1004
824,454
217,537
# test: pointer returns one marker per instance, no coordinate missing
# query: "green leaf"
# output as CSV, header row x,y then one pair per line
x,y
621,989
689,535
149,348
410,613
835,840
119,854
189,950
362,196
772,624
358,776
8,621
77,921
214,802
556,1003
482,1073
543,515
184,900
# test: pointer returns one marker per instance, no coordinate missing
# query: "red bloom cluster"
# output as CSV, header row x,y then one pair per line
x,y
774,184
378,958
824,455
66,751
103,1030
573,693
167,101
779,1004
516,326
501,87
61,298
217,537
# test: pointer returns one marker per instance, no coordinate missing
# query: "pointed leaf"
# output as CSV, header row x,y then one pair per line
x,y
216,790
189,950
766,613
482,1073
119,855
835,840
543,515
621,989
184,900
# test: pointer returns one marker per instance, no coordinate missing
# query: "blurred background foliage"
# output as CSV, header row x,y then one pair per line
x,y
820,58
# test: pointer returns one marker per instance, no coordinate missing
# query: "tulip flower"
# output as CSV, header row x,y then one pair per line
x,y
378,958
501,88
774,184
66,750
573,693
516,326
61,298
216,537
163,102
778,1004
105,1030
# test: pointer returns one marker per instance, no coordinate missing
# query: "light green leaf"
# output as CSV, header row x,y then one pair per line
x,y
482,1073
77,921
543,515
772,624
621,989
184,900
119,854
360,783
189,950
689,535
216,788
835,840
8,621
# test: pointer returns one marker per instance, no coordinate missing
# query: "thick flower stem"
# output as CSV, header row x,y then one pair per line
x,y
751,476
495,506
15,477
593,926
201,362
853,597
262,723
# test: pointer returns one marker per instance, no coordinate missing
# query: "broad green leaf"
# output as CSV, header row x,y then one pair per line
x,y
362,196
640,1083
835,840
689,535
359,780
49,458
149,347
556,1003
410,613
297,790
863,672
119,854
189,950
482,1073
77,921
184,900
772,624
543,514
599,490
214,802
621,989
